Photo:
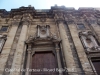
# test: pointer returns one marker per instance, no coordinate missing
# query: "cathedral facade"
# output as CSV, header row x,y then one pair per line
x,y
56,41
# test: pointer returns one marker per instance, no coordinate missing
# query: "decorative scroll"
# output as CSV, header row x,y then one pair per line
x,y
59,16
89,41
69,18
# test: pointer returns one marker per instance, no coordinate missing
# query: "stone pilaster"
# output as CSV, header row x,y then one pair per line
x,y
28,61
2,41
7,47
19,51
66,48
80,50
58,56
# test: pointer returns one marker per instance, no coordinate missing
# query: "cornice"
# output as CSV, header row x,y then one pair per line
x,y
49,12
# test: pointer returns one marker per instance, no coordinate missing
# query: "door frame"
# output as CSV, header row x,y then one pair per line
x,y
54,47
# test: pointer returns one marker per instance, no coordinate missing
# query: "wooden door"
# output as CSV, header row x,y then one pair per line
x,y
43,60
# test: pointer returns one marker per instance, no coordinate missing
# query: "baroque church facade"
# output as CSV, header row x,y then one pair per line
x,y
56,41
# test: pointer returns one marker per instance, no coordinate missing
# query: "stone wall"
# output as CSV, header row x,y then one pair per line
x,y
63,22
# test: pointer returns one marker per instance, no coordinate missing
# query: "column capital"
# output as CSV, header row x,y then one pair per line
x,y
29,51
57,45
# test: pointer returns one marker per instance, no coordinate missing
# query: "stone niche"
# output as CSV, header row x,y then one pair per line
x,y
89,41
43,31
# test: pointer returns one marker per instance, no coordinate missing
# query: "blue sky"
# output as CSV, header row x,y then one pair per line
x,y
46,4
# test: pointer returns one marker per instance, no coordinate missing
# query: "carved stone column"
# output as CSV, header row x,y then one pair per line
x,y
17,62
38,34
29,51
58,56
48,32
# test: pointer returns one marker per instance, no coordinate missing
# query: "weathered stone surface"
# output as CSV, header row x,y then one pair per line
x,y
72,52
80,50
66,48
7,48
19,51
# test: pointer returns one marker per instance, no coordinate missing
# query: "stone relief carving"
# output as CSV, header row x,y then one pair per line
x,y
43,31
89,41
26,17
91,19
17,17
59,16
70,19
43,19
6,20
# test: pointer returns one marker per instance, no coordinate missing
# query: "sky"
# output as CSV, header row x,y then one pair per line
x,y
46,4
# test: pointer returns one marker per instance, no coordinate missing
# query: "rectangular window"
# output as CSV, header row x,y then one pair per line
x,y
96,65
81,26
4,28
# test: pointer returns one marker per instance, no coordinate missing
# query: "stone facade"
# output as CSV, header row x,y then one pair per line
x,y
73,36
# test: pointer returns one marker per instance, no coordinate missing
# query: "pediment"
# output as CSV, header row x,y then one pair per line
x,y
38,40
